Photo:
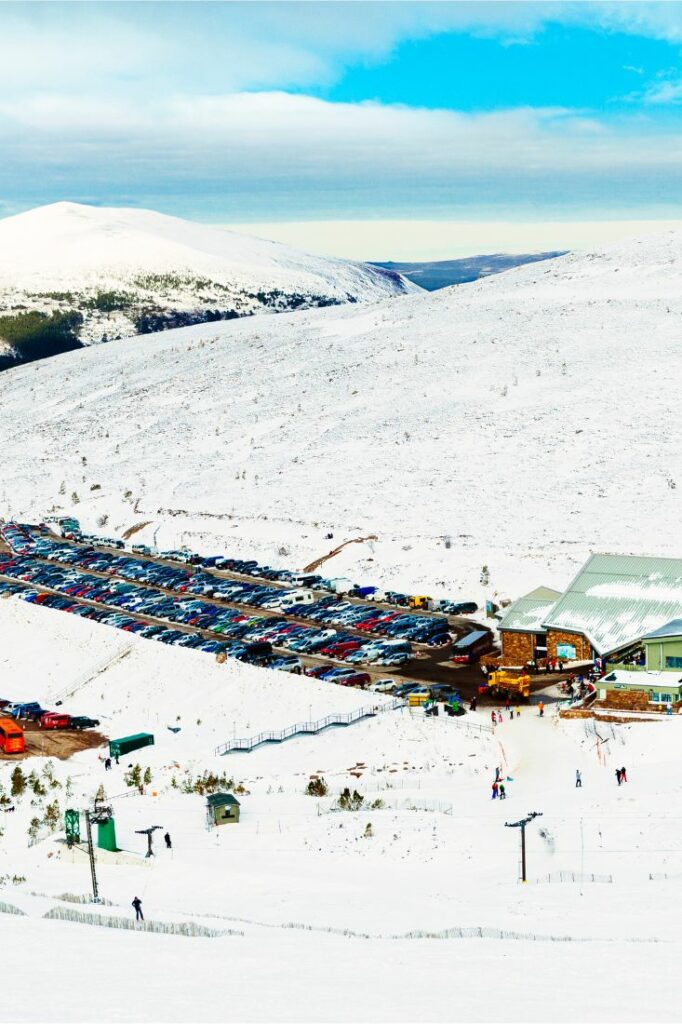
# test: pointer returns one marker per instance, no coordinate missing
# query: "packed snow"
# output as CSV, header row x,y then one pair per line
x,y
498,431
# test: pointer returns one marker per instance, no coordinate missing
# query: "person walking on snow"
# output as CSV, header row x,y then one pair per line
x,y
578,779
623,775
493,718
518,711
541,708
507,704
495,788
167,840
503,792
618,776
137,903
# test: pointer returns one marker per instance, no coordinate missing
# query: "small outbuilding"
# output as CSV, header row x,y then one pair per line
x,y
222,809
659,688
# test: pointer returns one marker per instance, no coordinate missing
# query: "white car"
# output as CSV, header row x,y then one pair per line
x,y
383,686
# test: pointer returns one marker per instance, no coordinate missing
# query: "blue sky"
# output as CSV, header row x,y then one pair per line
x,y
346,113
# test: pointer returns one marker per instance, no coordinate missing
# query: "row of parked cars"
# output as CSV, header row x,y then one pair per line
x,y
33,712
250,567
236,634
331,617
325,609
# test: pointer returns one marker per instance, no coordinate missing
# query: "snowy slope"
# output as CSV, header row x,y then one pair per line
x,y
63,255
515,423
338,915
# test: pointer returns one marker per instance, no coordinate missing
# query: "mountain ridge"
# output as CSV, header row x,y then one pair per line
x,y
131,271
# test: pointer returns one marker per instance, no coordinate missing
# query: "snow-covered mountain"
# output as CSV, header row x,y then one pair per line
x,y
128,270
502,430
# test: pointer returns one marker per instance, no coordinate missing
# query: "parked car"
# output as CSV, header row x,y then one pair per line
x,y
83,722
54,720
383,686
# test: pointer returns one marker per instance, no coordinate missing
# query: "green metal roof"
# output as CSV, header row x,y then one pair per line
x,y
220,799
528,613
670,629
615,600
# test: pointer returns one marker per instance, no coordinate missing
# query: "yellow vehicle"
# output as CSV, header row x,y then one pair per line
x,y
418,700
509,683
419,601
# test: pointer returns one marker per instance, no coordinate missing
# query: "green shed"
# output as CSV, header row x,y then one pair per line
x,y
223,809
125,745
664,648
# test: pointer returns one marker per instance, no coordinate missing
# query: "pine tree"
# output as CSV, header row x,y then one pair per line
x,y
18,781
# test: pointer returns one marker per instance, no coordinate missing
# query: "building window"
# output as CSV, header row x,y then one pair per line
x,y
672,662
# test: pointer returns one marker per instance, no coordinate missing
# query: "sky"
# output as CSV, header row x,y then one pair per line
x,y
376,130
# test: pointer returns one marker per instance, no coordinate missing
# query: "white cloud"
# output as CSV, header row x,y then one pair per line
x,y
271,132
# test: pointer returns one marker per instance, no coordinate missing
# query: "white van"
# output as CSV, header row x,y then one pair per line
x,y
292,597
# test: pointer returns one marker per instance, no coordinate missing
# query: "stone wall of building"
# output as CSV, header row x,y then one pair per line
x,y
583,648
517,648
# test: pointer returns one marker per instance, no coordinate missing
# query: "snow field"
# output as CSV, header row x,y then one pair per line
x,y
438,856
483,425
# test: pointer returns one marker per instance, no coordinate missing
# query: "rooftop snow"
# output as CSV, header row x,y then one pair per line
x,y
616,600
527,614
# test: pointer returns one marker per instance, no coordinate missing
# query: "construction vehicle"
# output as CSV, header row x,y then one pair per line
x,y
503,684
419,601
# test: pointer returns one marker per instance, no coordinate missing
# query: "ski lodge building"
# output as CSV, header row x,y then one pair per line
x,y
613,603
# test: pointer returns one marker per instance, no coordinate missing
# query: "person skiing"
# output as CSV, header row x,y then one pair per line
x,y
518,711
503,792
495,788
578,779
137,903
623,775
497,775
511,714
618,777
167,840
493,717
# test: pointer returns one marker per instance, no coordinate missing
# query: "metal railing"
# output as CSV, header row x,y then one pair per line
x,y
306,728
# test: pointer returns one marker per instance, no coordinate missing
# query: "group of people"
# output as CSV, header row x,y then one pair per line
x,y
497,718
621,776
498,788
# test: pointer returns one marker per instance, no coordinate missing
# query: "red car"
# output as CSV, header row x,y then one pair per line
x,y
360,679
341,649
54,720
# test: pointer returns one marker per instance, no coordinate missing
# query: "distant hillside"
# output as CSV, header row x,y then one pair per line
x,y
443,273
500,431
116,272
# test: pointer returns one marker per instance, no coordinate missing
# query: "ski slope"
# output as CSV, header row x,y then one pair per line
x,y
419,917
516,424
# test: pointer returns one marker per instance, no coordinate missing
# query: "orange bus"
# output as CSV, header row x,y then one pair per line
x,y
11,737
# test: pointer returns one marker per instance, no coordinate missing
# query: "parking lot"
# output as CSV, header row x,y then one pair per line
x,y
226,611
59,743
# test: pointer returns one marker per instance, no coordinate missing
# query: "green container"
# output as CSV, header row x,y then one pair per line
x,y
106,835
118,748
